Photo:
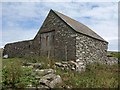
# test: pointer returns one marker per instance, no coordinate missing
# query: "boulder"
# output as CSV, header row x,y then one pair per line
x,y
50,80
56,81
45,80
49,76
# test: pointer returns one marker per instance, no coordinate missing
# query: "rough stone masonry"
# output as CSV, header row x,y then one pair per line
x,y
62,38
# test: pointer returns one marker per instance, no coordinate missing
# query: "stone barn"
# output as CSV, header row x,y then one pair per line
x,y
63,38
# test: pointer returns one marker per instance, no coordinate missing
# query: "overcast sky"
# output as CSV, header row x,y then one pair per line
x,y
21,21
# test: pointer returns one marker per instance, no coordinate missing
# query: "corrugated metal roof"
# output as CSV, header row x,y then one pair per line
x,y
79,27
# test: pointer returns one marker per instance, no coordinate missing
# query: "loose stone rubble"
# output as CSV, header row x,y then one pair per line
x,y
46,77
72,65
112,60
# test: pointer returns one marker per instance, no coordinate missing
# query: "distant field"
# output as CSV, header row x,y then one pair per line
x,y
114,54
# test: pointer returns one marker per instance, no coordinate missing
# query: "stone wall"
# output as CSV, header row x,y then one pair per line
x,y
18,49
90,50
64,43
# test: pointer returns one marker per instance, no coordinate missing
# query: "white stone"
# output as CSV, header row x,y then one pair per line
x,y
30,66
77,37
57,80
77,60
80,63
83,52
73,35
29,85
5,56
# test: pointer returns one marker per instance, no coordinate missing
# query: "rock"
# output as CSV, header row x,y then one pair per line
x,y
64,65
112,60
44,82
80,67
72,62
49,76
73,68
50,80
37,65
80,63
37,77
57,80
77,66
58,64
63,62
43,72
77,60
5,56
30,85
30,67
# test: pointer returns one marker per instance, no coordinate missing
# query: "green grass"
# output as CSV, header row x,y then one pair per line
x,y
114,54
14,75
95,76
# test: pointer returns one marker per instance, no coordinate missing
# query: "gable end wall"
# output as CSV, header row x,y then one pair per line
x,y
90,50
64,43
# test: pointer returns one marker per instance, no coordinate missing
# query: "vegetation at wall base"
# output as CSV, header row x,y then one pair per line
x,y
95,76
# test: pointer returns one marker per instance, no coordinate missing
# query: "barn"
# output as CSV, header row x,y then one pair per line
x,y
63,38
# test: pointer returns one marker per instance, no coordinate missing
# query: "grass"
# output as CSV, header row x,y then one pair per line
x,y
114,54
95,76
14,75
